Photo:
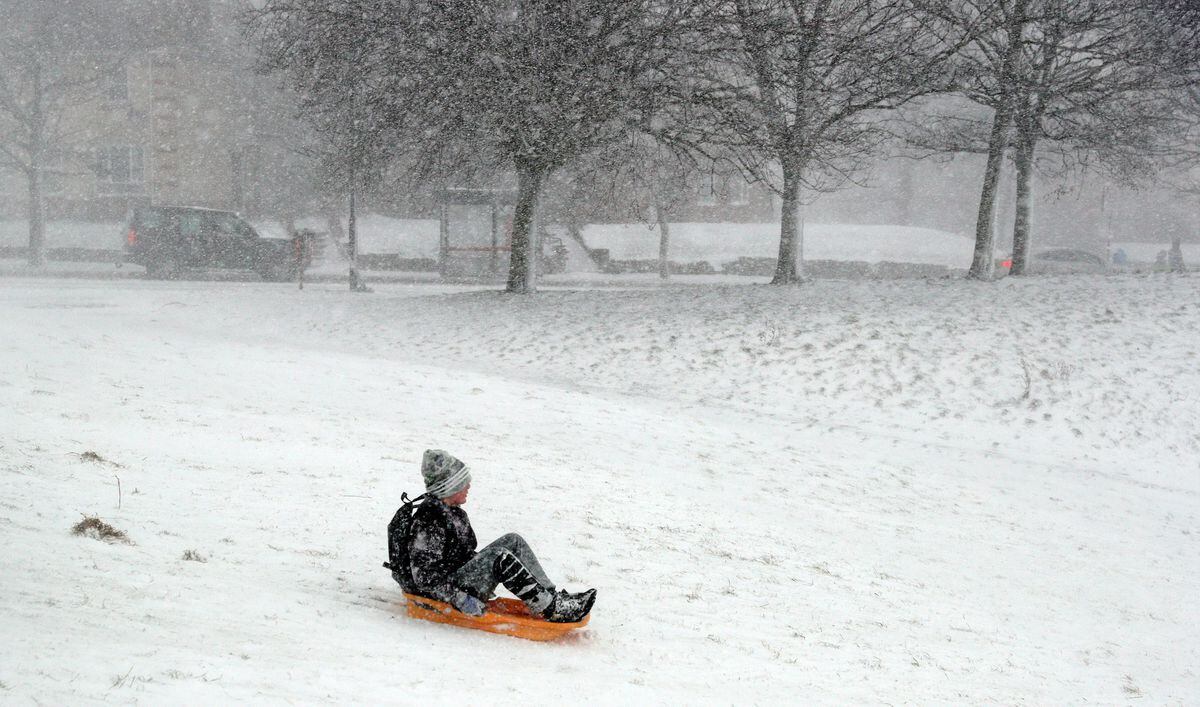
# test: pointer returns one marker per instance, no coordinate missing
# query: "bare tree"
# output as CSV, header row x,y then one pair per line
x,y
638,179
658,182
1089,86
50,64
1079,79
527,84
1178,46
1179,150
1002,54
794,91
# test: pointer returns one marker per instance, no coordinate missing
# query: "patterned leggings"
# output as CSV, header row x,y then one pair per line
x,y
508,561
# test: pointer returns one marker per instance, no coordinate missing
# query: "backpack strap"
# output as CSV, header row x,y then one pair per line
x,y
405,501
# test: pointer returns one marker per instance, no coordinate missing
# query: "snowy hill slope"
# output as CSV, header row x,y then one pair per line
x,y
841,494
1095,370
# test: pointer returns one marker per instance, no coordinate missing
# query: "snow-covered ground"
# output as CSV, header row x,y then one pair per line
x,y
935,492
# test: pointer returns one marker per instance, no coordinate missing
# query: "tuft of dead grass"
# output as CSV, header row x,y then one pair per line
x,y
97,529
193,556
95,458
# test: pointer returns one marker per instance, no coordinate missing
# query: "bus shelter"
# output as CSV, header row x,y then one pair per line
x,y
476,233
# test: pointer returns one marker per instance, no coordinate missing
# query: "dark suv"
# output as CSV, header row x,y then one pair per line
x,y
167,239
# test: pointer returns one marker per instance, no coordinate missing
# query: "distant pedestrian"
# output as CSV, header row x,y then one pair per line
x,y
1175,256
1120,257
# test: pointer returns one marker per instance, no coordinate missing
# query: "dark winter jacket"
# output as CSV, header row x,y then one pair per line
x,y
441,541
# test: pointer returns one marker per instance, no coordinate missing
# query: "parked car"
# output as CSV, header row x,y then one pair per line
x,y
169,239
1066,260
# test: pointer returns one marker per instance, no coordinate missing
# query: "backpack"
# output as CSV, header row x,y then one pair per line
x,y
398,534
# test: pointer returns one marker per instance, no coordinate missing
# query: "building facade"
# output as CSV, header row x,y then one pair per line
x,y
168,122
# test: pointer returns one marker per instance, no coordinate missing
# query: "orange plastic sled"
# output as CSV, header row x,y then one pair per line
x,y
507,616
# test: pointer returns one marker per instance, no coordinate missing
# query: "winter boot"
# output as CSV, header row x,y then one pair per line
x,y
568,608
518,580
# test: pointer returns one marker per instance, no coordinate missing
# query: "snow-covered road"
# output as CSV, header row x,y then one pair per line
x,y
929,492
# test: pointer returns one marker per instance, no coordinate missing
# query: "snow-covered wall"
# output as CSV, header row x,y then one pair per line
x,y
717,243
720,243
407,238
65,234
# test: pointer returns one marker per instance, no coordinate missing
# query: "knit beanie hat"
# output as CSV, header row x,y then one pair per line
x,y
444,475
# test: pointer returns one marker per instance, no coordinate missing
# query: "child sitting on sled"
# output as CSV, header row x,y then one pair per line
x,y
446,567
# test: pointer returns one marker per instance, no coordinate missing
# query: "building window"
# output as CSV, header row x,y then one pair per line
x,y
706,191
54,172
114,84
738,191
119,169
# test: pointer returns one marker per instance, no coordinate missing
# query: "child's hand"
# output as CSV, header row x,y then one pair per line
x,y
468,604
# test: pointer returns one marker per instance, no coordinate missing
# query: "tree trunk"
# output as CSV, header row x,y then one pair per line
x,y
907,193
529,185
356,283
333,224
37,153
1026,144
664,243
983,266
787,270
575,231
37,219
